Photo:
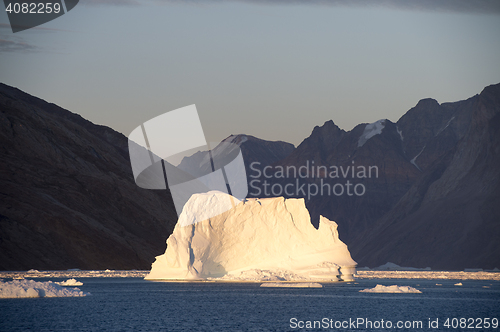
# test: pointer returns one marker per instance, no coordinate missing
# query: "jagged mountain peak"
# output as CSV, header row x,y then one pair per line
x,y
430,129
450,215
239,139
70,200
252,148
426,103
328,126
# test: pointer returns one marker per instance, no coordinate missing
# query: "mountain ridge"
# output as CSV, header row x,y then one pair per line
x,y
456,202
69,199
412,154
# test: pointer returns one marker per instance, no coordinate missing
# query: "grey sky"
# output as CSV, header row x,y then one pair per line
x,y
266,68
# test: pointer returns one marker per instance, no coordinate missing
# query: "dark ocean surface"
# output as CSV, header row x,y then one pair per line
x,y
133,304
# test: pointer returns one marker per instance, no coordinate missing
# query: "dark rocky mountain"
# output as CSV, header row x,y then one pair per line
x,y
430,129
450,217
254,150
423,191
428,187
257,154
260,152
334,149
67,195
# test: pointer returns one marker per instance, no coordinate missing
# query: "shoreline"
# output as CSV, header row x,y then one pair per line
x,y
360,275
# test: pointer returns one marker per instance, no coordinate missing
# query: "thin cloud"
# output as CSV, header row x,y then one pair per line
x,y
7,26
451,6
4,26
11,44
16,46
110,2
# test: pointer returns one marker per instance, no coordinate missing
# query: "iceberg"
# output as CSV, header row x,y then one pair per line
x,y
70,282
391,289
258,239
30,288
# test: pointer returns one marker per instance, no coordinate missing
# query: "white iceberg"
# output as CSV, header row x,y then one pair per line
x,y
391,289
70,282
259,239
30,288
292,285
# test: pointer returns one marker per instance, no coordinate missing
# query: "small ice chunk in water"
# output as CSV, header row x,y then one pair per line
x,y
292,285
70,282
391,289
30,288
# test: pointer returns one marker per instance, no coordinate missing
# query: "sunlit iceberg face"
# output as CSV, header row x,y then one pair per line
x,y
172,133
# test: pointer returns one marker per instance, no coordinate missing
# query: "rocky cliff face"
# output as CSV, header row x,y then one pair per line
x,y
434,193
450,217
256,151
334,154
431,129
67,196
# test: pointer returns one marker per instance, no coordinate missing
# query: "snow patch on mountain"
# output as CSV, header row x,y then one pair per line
x,y
446,126
414,160
371,130
258,239
400,132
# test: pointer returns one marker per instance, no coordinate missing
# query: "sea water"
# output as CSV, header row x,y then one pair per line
x,y
133,304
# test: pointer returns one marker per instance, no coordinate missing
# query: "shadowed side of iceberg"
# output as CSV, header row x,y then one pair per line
x,y
271,234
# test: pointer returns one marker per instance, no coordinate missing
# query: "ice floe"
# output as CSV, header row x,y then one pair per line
x,y
275,275
430,275
31,288
70,282
391,289
292,284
